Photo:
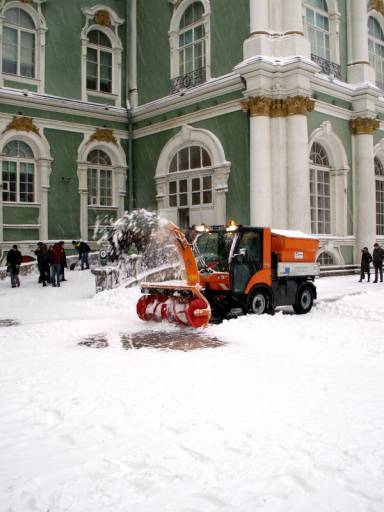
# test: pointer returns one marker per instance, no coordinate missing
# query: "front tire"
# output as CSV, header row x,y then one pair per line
x,y
304,300
258,302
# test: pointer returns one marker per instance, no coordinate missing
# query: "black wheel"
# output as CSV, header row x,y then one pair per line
x,y
258,302
304,300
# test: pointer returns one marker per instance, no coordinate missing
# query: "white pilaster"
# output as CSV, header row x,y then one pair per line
x,y
359,69
279,172
83,191
45,168
299,216
365,191
259,15
132,78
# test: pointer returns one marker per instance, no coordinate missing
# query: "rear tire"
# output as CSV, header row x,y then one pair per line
x,y
304,300
258,302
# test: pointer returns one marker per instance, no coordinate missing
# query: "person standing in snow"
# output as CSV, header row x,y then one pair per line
x,y
43,263
83,250
14,260
366,259
57,258
63,261
378,256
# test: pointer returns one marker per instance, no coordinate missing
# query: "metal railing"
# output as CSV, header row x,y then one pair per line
x,y
191,79
327,67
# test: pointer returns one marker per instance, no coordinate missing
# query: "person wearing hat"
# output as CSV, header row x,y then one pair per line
x,y
366,259
14,260
42,256
378,256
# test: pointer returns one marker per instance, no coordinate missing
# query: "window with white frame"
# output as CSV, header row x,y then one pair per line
x,y
379,178
99,179
99,62
19,43
325,258
376,49
190,179
18,173
192,42
320,190
318,27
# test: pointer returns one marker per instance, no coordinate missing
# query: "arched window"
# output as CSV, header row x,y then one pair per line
x,y
99,179
320,190
192,40
376,49
99,62
19,43
101,56
18,173
325,258
317,23
190,181
379,178
189,40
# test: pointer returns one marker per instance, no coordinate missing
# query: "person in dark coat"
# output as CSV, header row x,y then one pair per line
x,y
378,256
83,250
43,263
14,260
57,258
366,259
63,262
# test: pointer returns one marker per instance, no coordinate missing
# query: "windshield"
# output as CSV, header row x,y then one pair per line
x,y
212,250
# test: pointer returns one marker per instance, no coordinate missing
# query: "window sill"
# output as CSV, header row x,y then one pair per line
x,y
21,79
98,94
98,207
22,205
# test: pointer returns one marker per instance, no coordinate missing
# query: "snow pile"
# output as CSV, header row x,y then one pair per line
x,y
287,416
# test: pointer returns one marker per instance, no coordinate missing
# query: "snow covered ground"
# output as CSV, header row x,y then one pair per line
x,y
287,416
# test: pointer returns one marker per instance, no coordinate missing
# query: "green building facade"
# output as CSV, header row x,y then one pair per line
x,y
269,112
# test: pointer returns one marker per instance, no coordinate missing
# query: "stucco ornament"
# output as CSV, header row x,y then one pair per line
x,y
103,18
22,124
103,135
376,5
258,106
299,105
364,125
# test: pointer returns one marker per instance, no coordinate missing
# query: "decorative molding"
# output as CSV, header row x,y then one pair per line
x,y
364,125
376,5
103,135
299,105
263,106
259,106
22,124
103,18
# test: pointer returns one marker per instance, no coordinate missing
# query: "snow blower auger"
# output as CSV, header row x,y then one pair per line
x,y
235,270
181,302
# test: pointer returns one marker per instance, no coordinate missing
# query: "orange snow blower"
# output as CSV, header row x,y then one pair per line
x,y
234,268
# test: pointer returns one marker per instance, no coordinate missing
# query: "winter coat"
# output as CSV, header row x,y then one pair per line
x,y
378,256
366,259
14,260
57,254
82,247
42,258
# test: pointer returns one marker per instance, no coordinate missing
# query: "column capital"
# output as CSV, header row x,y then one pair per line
x,y
268,107
364,125
299,105
376,5
259,106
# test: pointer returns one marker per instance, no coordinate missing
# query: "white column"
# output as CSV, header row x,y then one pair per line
x,y
358,58
365,192
132,67
45,170
279,172
299,213
260,185
292,19
83,191
259,15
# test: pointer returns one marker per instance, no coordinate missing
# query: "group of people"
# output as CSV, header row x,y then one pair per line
x,y
377,258
51,262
